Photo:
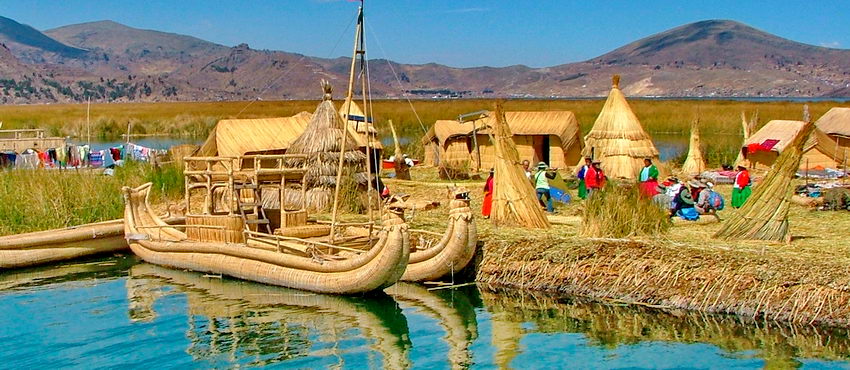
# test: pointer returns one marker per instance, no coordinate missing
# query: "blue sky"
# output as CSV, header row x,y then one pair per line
x,y
461,33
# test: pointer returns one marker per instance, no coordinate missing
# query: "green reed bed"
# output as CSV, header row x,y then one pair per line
x,y
33,200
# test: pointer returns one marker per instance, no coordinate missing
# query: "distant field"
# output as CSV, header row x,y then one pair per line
x,y
717,117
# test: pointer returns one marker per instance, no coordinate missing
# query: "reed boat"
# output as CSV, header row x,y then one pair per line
x,y
42,247
247,243
291,320
435,256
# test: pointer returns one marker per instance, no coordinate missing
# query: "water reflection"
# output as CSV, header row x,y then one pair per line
x,y
612,326
115,312
265,324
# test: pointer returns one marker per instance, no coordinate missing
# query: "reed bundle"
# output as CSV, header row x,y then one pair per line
x,y
765,215
618,139
321,142
514,199
748,127
695,162
620,212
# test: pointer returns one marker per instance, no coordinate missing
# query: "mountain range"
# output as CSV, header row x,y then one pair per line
x,y
108,61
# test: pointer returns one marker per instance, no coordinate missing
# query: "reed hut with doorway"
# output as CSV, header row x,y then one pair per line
x,y
553,137
618,139
835,123
819,151
325,136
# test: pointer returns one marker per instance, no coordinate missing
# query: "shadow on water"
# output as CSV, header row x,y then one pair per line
x,y
122,312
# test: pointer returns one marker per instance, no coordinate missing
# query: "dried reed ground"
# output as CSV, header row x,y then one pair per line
x,y
807,281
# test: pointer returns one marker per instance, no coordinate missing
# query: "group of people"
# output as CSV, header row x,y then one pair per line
x,y
687,200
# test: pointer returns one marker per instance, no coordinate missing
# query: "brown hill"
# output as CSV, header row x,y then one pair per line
x,y
112,62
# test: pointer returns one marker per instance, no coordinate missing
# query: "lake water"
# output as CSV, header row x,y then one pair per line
x,y
116,312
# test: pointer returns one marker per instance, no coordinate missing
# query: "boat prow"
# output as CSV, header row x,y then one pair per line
x,y
289,262
437,259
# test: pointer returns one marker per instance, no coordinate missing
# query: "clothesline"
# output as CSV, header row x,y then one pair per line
x,y
78,156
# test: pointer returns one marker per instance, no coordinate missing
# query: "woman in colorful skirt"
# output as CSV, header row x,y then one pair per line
x,y
741,190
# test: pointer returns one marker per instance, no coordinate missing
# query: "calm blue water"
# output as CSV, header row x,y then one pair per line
x,y
116,312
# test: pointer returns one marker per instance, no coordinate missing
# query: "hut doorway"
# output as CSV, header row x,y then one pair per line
x,y
541,148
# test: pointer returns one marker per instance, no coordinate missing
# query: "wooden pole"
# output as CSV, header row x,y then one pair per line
x,y
88,121
345,124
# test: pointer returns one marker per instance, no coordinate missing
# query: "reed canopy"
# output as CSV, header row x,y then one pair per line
x,y
764,216
553,137
514,199
322,141
618,139
836,124
238,137
695,162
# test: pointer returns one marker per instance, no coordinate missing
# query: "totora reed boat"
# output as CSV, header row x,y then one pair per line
x,y
435,256
42,247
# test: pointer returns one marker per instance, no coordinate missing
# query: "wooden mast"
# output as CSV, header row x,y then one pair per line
x,y
355,53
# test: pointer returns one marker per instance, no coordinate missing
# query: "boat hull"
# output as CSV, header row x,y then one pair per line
x,y
366,272
43,247
450,254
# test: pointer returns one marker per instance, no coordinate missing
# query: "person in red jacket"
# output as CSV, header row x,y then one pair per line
x,y
594,177
741,190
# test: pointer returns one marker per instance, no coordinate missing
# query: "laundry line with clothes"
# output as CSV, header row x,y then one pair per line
x,y
71,156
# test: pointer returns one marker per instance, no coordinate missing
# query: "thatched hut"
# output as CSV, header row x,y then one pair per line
x,y
322,140
363,130
836,124
238,137
819,151
618,139
553,137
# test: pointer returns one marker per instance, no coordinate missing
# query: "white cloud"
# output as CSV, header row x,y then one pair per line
x,y
468,10
831,44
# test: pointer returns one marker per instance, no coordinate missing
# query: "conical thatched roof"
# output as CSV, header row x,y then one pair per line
x,y
695,162
618,139
321,141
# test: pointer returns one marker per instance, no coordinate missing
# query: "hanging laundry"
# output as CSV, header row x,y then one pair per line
x,y
96,159
108,160
115,153
28,160
44,159
62,156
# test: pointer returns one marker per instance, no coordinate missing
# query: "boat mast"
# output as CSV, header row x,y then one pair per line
x,y
359,51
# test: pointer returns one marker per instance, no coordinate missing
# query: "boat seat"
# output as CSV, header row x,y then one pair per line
x,y
304,231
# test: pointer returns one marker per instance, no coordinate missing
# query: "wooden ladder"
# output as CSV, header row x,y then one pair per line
x,y
255,206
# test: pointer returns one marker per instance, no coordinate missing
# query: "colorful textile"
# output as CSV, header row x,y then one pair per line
x,y
740,196
649,188
582,189
594,178
96,159
487,207
650,172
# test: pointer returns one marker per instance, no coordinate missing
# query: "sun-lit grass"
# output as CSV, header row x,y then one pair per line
x,y
32,200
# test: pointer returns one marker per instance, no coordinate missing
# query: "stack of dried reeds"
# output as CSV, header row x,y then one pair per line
x,y
695,162
765,215
618,139
748,127
619,211
514,199
321,142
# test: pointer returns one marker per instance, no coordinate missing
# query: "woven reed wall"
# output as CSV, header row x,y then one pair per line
x,y
232,232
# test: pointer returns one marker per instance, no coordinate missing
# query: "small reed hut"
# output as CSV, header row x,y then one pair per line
x,y
238,137
764,216
553,137
836,124
618,139
321,141
695,162
819,151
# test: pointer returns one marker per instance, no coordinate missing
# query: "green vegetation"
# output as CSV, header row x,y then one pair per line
x,y
618,211
48,199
